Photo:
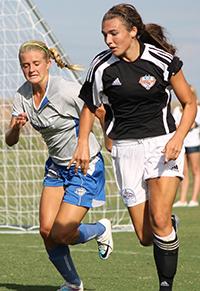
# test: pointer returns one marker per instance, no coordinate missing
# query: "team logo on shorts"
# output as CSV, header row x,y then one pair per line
x,y
80,191
147,81
128,196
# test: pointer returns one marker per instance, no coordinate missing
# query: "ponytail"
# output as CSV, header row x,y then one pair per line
x,y
50,53
155,35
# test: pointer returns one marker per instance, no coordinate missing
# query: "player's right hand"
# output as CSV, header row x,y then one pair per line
x,y
20,120
80,159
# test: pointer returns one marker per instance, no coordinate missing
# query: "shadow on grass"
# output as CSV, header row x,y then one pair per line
x,y
18,287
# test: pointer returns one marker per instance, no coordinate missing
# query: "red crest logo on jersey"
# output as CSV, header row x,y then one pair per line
x,y
147,81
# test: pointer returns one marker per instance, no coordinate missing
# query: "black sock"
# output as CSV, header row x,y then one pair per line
x,y
166,259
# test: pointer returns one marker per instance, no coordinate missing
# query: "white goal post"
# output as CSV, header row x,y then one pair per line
x,y
22,166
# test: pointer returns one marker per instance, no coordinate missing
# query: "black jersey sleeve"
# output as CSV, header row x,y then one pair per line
x,y
92,90
86,96
175,66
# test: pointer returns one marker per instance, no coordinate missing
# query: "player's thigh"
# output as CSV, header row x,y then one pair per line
x,y
128,166
162,192
50,203
67,221
140,218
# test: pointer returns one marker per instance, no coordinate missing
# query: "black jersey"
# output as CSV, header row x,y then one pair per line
x,y
137,92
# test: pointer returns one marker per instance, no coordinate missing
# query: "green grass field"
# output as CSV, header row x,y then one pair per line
x,y
25,266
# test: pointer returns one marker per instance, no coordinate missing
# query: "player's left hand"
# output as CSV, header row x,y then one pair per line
x,y
172,149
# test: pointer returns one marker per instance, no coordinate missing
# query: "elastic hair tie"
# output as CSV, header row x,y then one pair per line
x,y
35,44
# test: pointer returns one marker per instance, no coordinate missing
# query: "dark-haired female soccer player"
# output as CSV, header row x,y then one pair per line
x,y
132,77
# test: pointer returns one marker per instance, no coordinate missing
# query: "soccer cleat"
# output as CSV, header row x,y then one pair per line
x,y
180,204
175,222
193,203
70,287
105,240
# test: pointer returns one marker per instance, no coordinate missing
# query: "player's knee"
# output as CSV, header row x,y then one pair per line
x,y
62,235
160,222
44,232
58,238
146,242
145,237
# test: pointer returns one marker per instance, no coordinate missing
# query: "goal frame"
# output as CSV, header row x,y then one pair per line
x,y
22,166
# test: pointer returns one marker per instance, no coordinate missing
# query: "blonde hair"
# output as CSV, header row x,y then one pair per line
x,y
50,53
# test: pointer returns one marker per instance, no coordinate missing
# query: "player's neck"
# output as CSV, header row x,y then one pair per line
x,y
133,52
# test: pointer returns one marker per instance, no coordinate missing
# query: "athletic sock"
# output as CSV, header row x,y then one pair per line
x,y
61,258
166,259
89,231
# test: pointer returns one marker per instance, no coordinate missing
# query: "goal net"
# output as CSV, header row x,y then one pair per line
x,y
22,166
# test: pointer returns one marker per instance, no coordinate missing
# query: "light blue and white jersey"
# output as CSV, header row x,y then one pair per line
x,y
56,118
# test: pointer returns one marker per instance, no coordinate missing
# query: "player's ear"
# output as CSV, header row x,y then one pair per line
x,y
133,31
48,63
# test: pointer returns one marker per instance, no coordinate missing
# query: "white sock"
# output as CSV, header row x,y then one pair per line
x,y
167,238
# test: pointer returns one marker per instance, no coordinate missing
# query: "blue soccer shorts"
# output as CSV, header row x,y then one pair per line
x,y
82,190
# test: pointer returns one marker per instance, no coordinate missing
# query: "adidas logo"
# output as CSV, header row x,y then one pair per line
x,y
164,284
175,167
116,82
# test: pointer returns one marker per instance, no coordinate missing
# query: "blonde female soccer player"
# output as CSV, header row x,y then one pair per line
x,y
52,107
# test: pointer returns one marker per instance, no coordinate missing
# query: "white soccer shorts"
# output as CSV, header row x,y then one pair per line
x,y
136,160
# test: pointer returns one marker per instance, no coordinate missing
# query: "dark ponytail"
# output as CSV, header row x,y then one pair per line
x,y
155,35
